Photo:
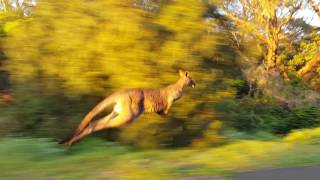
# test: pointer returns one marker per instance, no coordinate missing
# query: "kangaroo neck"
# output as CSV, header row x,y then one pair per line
x,y
175,90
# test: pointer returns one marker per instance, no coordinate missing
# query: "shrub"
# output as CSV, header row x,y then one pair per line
x,y
251,114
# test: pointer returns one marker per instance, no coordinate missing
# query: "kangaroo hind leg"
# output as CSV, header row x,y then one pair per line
x,y
121,119
90,128
101,124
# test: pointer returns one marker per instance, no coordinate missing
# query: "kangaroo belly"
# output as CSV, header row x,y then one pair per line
x,y
117,108
154,107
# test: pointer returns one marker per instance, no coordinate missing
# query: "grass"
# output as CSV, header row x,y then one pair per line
x,y
32,158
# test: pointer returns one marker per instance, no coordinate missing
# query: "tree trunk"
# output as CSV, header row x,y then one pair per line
x,y
4,5
271,59
273,66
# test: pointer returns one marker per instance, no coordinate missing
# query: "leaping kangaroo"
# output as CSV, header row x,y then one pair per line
x,y
130,104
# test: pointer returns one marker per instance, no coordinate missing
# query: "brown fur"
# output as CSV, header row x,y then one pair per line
x,y
130,104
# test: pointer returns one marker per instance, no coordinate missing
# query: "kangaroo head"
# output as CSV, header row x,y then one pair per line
x,y
186,79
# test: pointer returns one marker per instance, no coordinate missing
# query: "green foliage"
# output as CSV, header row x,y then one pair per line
x,y
211,137
261,114
34,158
43,115
67,56
306,51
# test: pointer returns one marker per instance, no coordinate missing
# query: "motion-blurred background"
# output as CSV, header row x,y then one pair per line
x,y
256,64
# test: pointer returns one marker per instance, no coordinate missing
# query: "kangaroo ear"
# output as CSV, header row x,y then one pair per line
x,y
181,73
187,73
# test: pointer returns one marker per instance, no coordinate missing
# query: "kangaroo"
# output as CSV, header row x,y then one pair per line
x,y
129,104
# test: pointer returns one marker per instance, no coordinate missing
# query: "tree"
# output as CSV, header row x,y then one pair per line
x,y
307,61
11,14
314,7
308,57
20,7
265,22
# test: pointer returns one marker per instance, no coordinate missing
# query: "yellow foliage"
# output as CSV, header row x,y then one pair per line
x,y
79,42
81,47
90,46
236,156
179,17
304,136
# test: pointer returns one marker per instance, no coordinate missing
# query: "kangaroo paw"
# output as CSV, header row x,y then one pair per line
x,y
67,144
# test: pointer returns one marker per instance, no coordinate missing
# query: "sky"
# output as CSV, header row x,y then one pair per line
x,y
309,15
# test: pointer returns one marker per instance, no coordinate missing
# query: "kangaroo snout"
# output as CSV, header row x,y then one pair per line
x,y
193,84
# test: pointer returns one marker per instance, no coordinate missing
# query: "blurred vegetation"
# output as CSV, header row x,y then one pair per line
x,y
58,59
37,158
262,115
255,64
72,54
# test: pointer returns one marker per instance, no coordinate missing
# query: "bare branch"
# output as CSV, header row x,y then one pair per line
x,y
315,7
247,25
288,19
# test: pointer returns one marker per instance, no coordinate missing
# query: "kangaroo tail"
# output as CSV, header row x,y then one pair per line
x,y
97,109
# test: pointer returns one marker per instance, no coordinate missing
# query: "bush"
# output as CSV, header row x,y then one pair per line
x,y
211,137
250,114
304,136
